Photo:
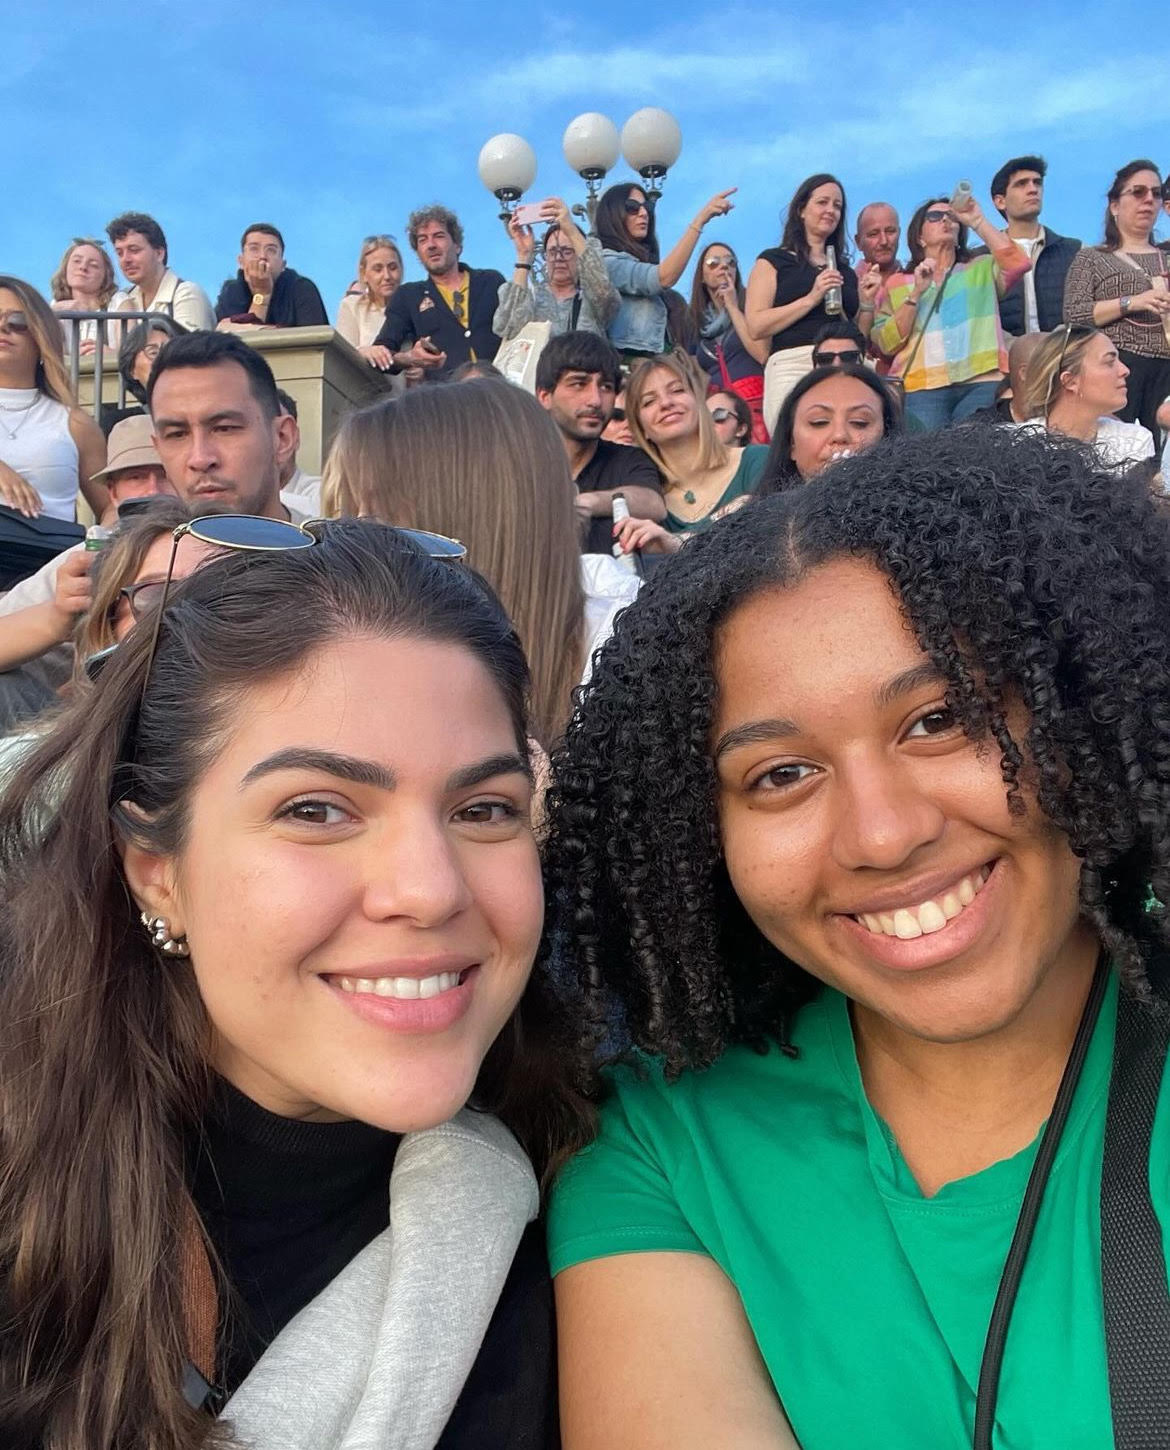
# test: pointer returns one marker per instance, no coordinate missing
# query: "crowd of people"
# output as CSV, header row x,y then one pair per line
x,y
678,810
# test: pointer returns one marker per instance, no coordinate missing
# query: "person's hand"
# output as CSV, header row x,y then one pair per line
x,y
377,357
717,206
258,275
18,493
413,376
422,357
1155,301
522,239
647,536
923,276
591,504
969,216
87,349
73,591
830,277
870,283
724,292
558,215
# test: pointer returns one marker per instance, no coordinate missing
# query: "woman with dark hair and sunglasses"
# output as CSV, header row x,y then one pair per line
x,y
725,349
625,228
939,322
275,943
1123,287
834,412
850,858
1076,385
788,285
49,449
732,418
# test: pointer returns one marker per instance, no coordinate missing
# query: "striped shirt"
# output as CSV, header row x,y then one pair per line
x,y
963,338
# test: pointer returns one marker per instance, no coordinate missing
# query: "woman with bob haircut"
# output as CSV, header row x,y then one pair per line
x,y
486,465
705,477
939,321
629,246
1123,287
49,448
856,851
1076,385
833,413
785,305
276,938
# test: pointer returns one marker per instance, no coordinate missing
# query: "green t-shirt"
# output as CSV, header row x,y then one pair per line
x,y
743,480
869,1302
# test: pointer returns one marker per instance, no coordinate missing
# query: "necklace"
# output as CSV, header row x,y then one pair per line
x,y
13,429
689,496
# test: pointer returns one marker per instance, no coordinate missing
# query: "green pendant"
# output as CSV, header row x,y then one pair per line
x,y
689,496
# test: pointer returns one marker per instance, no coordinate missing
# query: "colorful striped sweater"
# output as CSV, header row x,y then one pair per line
x,y
963,339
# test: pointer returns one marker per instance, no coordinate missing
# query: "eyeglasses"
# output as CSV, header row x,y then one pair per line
x,y
632,207
142,597
558,254
722,415
833,359
14,321
1140,193
152,350
935,215
268,536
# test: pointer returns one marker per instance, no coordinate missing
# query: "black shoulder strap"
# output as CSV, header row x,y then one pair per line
x,y
575,313
1133,1260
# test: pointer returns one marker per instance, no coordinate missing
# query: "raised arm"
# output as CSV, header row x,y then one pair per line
x,y
674,264
656,1354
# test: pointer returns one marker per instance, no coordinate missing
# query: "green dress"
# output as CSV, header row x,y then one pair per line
x,y
744,480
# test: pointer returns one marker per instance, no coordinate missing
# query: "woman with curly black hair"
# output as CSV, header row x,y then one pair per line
x,y
852,844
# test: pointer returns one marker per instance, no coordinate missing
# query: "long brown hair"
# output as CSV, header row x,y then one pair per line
x,y
59,287
105,1046
485,465
52,377
700,297
712,453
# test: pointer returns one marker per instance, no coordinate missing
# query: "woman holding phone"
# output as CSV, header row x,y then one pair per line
x,y
277,939
857,844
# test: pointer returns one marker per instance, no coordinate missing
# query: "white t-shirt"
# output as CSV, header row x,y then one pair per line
x,y
609,586
1117,443
1030,246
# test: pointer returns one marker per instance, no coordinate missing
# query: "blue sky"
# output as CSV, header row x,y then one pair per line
x,y
335,119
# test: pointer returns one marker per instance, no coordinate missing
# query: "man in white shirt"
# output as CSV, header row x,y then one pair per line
x,y
141,247
1036,304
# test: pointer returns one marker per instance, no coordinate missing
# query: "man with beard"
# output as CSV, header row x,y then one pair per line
x,y
577,379
576,293
447,320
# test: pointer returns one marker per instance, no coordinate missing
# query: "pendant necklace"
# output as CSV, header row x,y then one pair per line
x,y
26,410
689,496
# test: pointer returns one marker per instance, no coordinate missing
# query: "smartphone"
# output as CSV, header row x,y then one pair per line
x,y
530,214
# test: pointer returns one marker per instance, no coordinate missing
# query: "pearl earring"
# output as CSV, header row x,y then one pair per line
x,y
160,936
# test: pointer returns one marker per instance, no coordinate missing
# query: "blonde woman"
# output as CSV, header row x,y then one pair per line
x,y
362,313
1076,385
49,448
705,478
84,282
486,465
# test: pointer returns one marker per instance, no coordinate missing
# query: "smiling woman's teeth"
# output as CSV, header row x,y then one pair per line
x,y
405,987
928,916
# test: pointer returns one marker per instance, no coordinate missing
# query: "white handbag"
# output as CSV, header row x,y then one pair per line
x,y
518,357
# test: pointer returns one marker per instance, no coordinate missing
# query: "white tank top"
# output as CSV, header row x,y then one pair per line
x,y
35,441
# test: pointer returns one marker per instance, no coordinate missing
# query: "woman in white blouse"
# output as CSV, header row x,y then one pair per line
x,y
361,314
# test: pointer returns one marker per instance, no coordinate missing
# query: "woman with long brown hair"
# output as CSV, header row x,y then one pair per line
x,y
486,465
49,448
275,938
725,349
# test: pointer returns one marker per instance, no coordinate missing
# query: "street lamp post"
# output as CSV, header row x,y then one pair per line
x,y
507,167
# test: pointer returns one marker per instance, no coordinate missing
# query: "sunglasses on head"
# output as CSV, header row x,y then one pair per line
x,y
249,532
936,214
831,359
1140,193
632,207
14,321
1070,330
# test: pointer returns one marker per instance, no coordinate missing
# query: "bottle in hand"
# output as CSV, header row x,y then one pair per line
x,y
833,295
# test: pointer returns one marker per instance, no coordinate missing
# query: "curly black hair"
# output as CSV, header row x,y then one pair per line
x,y
1027,572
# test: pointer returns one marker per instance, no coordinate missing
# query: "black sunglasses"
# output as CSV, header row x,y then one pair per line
x,y
266,536
940,216
618,415
833,359
632,207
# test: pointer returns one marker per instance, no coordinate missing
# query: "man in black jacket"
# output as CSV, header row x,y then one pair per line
x,y
264,290
447,320
1035,304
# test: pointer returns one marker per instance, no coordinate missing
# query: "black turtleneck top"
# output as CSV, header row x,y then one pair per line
x,y
287,1204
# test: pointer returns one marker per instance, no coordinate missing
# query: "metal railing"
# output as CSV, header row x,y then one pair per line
x,y
101,346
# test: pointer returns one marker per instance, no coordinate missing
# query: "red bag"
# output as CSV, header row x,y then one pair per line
x,y
751,390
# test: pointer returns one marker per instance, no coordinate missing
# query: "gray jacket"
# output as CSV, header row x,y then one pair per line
x,y
377,1360
599,301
